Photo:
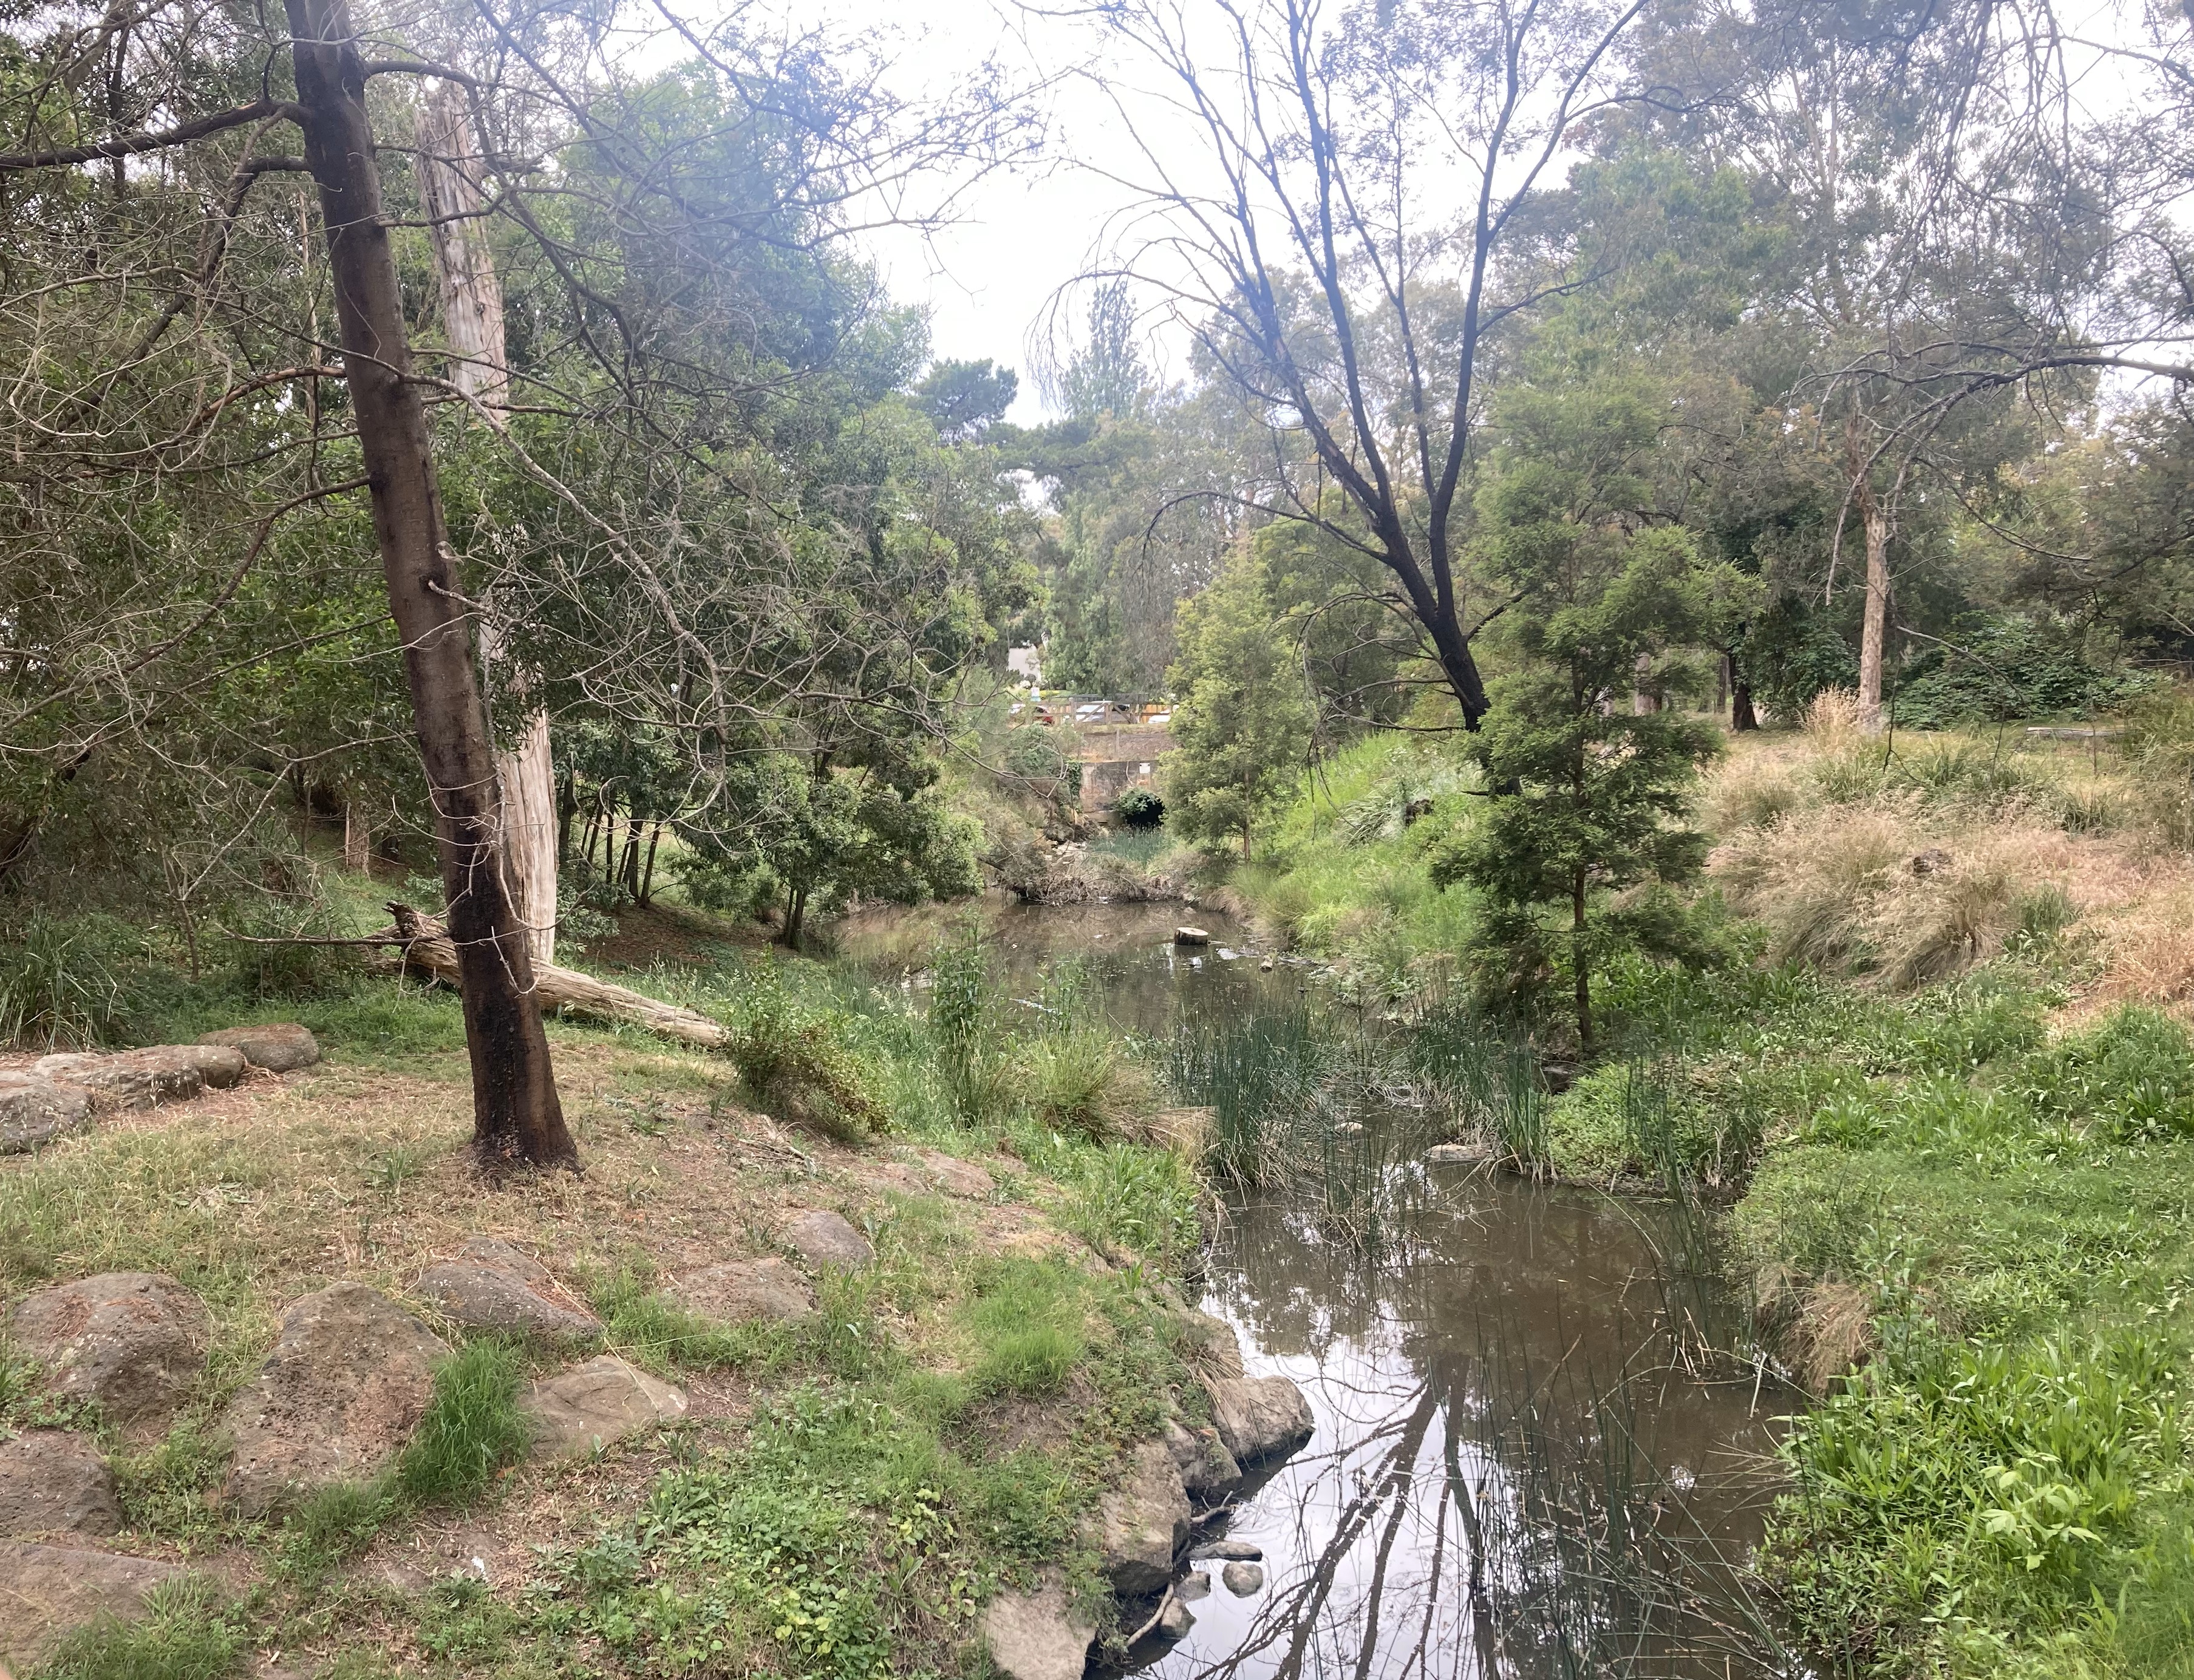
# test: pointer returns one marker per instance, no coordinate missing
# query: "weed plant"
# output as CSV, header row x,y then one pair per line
x,y
190,1631
472,1428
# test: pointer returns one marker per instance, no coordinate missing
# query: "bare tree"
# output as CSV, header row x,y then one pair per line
x,y
1296,184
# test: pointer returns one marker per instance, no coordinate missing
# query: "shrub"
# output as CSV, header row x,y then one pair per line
x,y
473,1427
797,1061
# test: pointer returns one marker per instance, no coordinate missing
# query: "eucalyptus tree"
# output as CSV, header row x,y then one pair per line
x,y
1327,203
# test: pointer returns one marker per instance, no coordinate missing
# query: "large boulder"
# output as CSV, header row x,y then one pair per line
x,y
1210,1345
55,1482
491,1286
34,1111
1036,1636
48,1591
143,1079
1142,1522
1208,1469
281,1047
602,1400
1260,1416
740,1290
349,1377
131,1340
823,1238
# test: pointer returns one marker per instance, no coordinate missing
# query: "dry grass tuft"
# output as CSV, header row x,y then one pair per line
x,y
1835,720
1832,1335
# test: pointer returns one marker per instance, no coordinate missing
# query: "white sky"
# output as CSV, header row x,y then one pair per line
x,y
1020,236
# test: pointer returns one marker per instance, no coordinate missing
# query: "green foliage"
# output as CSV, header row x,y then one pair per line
x,y
1979,1495
1596,792
189,1631
797,1057
1083,1080
329,1526
977,1072
59,981
2132,1077
1139,808
2002,668
1026,1319
1242,725
473,1427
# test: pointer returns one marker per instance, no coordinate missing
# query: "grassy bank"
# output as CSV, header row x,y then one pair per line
x,y
1940,1074
845,1493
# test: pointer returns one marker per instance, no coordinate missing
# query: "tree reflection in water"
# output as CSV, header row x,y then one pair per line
x,y
1518,1471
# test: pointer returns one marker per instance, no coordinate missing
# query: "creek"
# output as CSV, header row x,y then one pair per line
x,y
1541,1449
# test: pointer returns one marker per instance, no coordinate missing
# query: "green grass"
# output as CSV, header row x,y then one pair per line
x,y
473,1427
190,1631
1026,1317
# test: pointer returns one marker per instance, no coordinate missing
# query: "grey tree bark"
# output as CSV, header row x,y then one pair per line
x,y
516,1113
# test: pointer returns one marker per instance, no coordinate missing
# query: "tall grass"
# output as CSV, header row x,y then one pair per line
x,y
58,982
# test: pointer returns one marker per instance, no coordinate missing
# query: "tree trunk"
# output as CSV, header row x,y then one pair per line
x,y
449,187
357,839
1875,623
795,913
516,1114
1741,715
648,875
1579,961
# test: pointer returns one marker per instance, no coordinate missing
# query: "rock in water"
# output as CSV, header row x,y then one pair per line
x,y
823,1238
131,1340
491,1286
1260,1416
1208,1469
740,1290
1228,1552
336,1400
34,1111
1175,1621
1243,1579
1455,1154
55,1482
1036,1636
281,1047
1142,1522
604,1400
1210,1343
1191,1586
48,1592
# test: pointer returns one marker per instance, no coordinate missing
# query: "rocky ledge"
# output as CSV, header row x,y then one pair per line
x,y
65,1091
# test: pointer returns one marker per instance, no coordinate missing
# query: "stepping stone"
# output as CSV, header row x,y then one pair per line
x,y
1243,1579
1191,1586
742,1290
823,1238
1036,1636
282,1047
131,1340
1227,1552
1192,936
492,1286
586,1409
349,1377
34,1111
55,1482
1260,1416
48,1592
1142,1522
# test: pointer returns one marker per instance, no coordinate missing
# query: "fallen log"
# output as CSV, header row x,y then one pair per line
x,y
427,944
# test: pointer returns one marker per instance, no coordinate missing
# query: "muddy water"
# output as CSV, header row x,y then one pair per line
x,y
1518,1469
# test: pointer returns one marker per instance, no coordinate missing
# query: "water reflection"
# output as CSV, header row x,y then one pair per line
x,y
1518,1471
1508,1477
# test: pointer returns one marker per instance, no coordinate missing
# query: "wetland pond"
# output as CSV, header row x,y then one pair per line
x,y
1541,1450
